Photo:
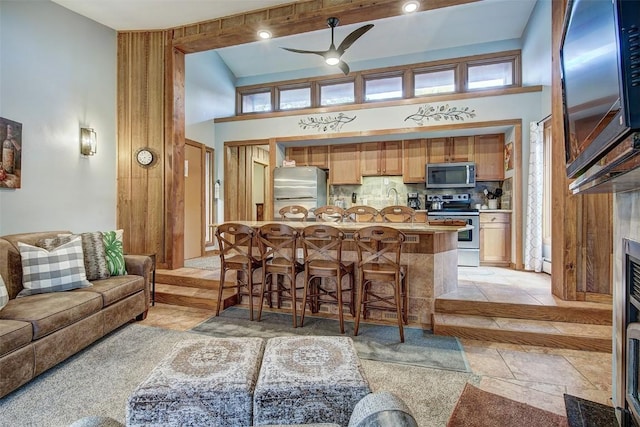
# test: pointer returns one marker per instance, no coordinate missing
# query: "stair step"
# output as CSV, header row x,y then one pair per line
x,y
189,296
191,277
555,334
572,312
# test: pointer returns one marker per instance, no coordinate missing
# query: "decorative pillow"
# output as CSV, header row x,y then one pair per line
x,y
95,260
61,269
114,252
4,295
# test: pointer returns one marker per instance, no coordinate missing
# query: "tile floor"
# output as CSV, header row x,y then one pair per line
x,y
538,376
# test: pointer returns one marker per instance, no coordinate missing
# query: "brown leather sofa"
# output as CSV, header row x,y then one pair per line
x,y
39,331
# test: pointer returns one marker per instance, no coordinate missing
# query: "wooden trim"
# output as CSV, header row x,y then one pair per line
x,y
517,193
288,19
383,104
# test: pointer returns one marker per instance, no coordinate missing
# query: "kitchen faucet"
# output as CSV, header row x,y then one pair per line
x,y
396,191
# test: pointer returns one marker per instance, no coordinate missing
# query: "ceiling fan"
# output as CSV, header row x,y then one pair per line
x,y
332,55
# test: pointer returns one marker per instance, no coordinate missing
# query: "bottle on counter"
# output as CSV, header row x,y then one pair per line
x,y
8,153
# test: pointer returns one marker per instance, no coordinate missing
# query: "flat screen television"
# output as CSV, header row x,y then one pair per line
x,y
600,60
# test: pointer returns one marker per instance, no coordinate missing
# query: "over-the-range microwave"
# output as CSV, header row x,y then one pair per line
x,y
451,175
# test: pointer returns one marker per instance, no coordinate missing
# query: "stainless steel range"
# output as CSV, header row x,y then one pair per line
x,y
458,206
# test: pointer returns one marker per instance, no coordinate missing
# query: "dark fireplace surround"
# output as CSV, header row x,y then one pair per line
x,y
631,413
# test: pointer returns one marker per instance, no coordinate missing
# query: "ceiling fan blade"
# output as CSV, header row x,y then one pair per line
x,y
321,53
344,67
355,35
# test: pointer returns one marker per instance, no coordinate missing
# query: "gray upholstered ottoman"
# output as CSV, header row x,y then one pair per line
x,y
305,379
208,381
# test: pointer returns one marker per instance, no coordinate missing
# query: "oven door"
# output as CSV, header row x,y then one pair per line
x,y
468,239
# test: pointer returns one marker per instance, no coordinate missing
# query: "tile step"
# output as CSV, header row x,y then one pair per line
x,y
525,332
568,311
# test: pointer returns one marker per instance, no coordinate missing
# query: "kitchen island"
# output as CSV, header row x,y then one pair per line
x,y
429,252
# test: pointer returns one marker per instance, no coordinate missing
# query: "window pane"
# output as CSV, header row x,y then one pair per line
x,y
255,102
341,93
435,82
295,98
491,75
384,88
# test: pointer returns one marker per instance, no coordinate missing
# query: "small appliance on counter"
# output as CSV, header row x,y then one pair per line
x,y
413,201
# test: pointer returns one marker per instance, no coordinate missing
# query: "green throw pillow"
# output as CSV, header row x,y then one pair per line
x,y
114,252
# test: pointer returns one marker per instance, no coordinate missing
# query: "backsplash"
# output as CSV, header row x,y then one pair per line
x,y
374,189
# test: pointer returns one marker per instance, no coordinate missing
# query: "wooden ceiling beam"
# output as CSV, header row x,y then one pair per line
x,y
285,20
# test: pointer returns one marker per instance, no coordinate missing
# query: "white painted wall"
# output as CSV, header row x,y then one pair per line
x,y
58,74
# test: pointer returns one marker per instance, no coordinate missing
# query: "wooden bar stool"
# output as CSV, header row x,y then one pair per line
x,y
278,244
235,242
361,213
322,245
397,213
294,213
328,213
379,249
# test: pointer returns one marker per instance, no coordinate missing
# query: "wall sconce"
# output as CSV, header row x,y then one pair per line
x,y
88,142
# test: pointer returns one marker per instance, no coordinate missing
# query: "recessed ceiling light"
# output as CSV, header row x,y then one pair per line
x,y
264,34
411,6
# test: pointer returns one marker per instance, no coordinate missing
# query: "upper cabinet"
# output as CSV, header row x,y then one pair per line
x,y
415,159
381,158
449,150
344,164
489,157
309,156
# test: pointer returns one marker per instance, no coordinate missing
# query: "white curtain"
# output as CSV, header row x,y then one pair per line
x,y
533,231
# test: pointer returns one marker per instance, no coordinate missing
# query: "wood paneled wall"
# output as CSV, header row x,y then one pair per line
x,y
238,179
581,230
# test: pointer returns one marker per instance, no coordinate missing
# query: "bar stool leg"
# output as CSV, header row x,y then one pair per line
x,y
339,297
249,282
220,287
358,306
399,308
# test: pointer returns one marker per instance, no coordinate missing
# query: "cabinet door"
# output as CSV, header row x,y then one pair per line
x,y
415,159
489,157
370,159
461,149
392,158
495,239
344,164
318,156
299,154
438,150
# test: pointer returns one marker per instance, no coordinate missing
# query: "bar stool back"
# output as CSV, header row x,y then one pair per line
x,y
293,213
236,244
278,245
328,213
360,213
397,213
322,246
379,249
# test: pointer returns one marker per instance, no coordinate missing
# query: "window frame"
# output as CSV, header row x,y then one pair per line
x,y
258,90
516,79
332,82
294,86
425,70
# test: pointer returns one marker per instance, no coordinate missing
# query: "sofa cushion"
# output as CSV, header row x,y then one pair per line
x,y
13,335
95,259
50,312
114,252
62,269
116,288
4,295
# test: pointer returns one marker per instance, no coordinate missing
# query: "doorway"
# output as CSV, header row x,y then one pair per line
x,y
195,199
258,189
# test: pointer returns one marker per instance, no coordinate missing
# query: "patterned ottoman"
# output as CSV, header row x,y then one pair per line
x,y
307,379
202,382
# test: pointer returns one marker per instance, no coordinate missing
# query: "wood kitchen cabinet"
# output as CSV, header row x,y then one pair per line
x,y
381,158
489,157
344,164
450,150
495,238
309,156
414,159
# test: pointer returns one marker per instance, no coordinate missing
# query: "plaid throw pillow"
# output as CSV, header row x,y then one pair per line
x,y
62,269
4,295
95,260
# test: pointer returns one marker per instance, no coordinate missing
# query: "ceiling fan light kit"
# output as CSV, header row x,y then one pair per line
x,y
332,56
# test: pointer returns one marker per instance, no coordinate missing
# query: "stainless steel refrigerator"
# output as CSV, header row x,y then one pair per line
x,y
302,185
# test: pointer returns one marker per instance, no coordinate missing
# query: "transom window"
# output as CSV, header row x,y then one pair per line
x,y
457,75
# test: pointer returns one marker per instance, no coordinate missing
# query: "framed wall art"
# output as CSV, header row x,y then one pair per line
x,y
11,157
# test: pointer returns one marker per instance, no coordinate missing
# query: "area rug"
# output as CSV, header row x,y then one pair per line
x,y
374,342
478,408
583,413
98,380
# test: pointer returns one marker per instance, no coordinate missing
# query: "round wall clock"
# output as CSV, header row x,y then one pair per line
x,y
145,157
